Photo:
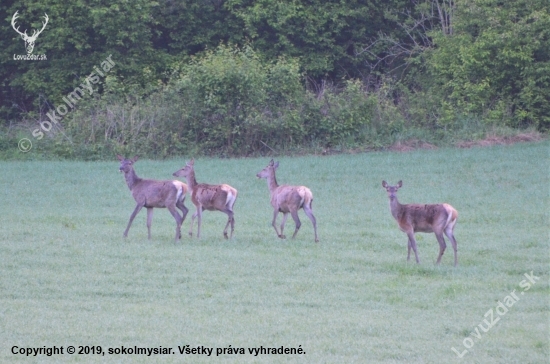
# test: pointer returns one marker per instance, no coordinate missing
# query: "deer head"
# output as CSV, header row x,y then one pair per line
x,y
29,40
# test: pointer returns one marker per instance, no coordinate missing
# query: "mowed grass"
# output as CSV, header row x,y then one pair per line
x,y
69,278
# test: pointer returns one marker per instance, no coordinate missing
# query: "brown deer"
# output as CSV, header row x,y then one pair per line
x,y
209,197
150,194
287,199
412,218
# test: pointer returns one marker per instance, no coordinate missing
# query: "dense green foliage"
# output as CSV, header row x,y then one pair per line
x,y
234,77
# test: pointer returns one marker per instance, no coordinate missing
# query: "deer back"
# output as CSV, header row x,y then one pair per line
x,y
286,198
213,197
423,218
155,193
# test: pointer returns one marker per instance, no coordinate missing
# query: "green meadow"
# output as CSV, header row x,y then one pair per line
x,y
68,277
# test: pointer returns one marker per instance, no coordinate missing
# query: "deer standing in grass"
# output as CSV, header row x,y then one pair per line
x,y
209,197
287,199
412,218
150,194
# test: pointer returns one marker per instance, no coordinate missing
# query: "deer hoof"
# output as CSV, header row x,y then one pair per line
x,y
282,236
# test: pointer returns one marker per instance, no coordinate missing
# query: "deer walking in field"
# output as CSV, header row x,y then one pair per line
x,y
151,193
209,197
287,199
412,218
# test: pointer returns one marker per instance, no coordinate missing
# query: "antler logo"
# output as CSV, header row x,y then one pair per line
x,y
29,40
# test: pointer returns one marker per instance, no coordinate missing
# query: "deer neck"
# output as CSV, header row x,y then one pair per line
x,y
191,181
395,207
131,178
272,182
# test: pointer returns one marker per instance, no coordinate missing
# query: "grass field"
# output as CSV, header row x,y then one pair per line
x,y
69,278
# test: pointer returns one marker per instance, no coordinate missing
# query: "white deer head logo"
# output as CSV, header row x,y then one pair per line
x,y
29,40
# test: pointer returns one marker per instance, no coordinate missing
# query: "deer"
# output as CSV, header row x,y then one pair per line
x,y
152,193
29,40
288,199
432,218
208,197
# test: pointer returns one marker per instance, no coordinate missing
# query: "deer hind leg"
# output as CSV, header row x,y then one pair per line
x,y
184,210
442,245
450,235
138,208
309,213
149,221
412,242
408,249
230,220
294,214
178,219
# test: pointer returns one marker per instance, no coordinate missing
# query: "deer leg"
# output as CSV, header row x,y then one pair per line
x,y
412,241
274,223
178,218
199,219
408,249
183,209
309,213
149,221
450,235
136,210
230,220
192,222
294,215
283,222
442,246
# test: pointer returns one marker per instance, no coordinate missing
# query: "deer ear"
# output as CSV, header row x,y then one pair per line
x,y
271,162
135,159
276,165
399,184
120,158
192,162
384,184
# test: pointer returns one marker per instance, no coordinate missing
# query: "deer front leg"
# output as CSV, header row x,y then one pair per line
x,y
274,223
136,211
283,222
412,241
149,221
192,222
199,219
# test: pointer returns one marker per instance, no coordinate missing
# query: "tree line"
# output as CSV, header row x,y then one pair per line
x,y
241,76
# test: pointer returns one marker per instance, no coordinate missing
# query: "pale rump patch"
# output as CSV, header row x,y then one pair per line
x,y
305,194
452,215
231,195
180,188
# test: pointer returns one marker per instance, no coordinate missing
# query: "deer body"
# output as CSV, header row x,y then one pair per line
x,y
209,197
288,199
432,218
151,193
